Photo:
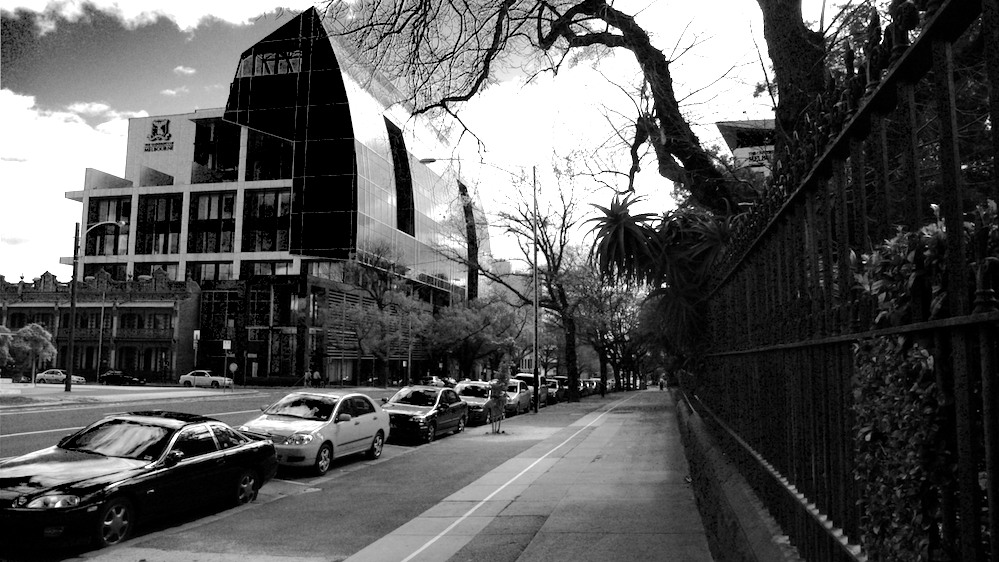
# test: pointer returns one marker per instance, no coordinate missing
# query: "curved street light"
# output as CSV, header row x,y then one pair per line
x,y
72,293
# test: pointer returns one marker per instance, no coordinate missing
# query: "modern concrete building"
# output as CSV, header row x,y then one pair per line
x,y
311,165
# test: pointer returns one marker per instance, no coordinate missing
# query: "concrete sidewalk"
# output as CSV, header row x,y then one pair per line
x,y
611,486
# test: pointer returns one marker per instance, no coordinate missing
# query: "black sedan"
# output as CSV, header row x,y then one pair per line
x,y
119,378
100,481
425,412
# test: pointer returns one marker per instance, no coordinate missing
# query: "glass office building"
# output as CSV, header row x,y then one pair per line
x,y
309,164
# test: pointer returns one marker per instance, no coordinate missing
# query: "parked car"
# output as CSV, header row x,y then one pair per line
x,y
557,391
434,381
312,428
518,397
205,378
475,394
57,376
426,411
119,378
100,481
528,379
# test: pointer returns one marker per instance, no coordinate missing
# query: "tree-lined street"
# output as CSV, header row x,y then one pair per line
x,y
534,486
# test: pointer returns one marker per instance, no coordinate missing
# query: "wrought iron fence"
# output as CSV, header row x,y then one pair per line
x,y
872,262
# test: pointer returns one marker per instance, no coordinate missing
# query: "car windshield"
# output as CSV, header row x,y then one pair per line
x,y
473,390
513,388
121,438
415,397
304,407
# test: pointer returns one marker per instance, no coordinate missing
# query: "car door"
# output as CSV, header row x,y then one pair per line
x,y
367,416
200,471
235,457
452,407
342,432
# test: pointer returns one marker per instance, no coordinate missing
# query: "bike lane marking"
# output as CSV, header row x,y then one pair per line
x,y
391,545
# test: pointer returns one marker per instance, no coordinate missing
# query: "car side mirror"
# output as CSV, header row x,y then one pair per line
x,y
344,418
384,400
64,439
172,458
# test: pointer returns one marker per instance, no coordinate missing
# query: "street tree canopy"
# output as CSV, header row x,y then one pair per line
x,y
448,52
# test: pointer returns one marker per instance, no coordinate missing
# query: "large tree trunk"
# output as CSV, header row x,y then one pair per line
x,y
798,54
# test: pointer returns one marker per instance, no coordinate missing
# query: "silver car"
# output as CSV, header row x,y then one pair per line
x,y
57,376
310,429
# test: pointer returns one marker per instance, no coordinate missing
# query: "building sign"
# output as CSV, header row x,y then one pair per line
x,y
159,136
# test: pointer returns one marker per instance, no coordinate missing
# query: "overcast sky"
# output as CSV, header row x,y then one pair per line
x,y
74,73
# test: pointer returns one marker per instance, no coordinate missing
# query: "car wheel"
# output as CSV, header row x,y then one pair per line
x,y
115,522
431,432
324,458
377,444
246,487
461,425
215,384
187,384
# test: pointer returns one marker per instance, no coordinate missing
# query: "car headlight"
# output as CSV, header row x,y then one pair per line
x,y
299,439
54,501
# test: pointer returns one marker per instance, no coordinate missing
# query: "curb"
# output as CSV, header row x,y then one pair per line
x,y
738,526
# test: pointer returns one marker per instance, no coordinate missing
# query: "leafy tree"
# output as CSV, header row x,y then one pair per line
x,y
32,344
483,330
387,315
6,341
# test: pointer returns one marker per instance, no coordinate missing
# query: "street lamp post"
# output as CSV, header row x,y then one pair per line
x,y
72,295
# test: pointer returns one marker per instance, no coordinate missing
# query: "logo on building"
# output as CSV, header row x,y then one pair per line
x,y
159,136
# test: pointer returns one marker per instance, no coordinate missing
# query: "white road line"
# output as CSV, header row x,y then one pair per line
x,y
511,481
65,429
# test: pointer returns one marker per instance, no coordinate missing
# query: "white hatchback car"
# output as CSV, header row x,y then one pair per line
x,y
204,378
313,428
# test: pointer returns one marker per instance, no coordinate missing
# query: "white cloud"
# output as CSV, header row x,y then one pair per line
x,y
184,70
135,13
175,91
45,153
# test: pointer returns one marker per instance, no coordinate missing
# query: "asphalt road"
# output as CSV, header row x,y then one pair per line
x,y
298,516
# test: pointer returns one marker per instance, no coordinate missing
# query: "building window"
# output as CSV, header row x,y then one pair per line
x,y
266,221
267,157
212,225
249,268
132,321
158,231
160,321
209,271
108,239
216,151
117,271
405,211
218,314
17,320
148,269
259,313
267,64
